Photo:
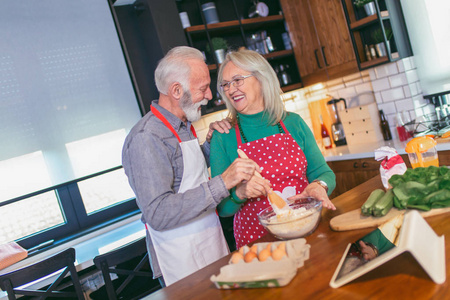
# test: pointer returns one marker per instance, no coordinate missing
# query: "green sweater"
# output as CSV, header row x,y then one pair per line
x,y
257,126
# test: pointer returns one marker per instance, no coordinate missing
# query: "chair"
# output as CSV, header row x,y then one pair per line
x,y
62,261
131,264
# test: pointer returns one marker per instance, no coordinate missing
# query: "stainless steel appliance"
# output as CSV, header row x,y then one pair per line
x,y
337,130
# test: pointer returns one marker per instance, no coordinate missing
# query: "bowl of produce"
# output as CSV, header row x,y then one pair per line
x,y
300,220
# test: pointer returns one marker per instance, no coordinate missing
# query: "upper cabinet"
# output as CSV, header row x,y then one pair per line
x,y
321,39
378,31
215,27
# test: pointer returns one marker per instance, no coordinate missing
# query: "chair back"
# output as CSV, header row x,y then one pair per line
x,y
109,263
63,261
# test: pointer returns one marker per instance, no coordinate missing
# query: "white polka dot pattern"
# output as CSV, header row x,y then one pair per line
x,y
292,172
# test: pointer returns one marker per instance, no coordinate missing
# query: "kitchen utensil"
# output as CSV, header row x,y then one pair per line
x,y
355,220
300,222
258,9
273,197
210,13
422,152
337,130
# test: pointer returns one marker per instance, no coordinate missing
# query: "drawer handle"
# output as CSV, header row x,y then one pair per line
x,y
324,56
355,165
317,59
365,164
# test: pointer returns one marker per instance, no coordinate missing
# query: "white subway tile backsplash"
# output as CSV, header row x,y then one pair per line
x,y
406,104
378,98
392,94
364,87
419,88
386,70
372,74
407,91
407,63
411,76
347,92
400,66
398,80
381,84
413,89
419,101
388,108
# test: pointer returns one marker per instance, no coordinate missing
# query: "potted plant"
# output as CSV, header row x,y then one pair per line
x,y
369,6
220,46
378,39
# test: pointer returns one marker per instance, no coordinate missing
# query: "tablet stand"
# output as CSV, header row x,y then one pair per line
x,y
416,237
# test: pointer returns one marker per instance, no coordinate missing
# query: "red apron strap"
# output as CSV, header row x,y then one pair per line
x,y
284,127
193,131
168,125
238,134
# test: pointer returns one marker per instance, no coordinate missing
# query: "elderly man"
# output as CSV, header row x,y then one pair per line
x,y
167,170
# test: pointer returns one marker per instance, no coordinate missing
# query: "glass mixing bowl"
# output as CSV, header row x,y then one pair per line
x,y
301,221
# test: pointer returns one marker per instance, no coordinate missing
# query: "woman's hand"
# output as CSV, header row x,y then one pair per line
x,y
315,190
367,251
255,187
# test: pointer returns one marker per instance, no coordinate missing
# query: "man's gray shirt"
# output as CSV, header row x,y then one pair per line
x,y
152,160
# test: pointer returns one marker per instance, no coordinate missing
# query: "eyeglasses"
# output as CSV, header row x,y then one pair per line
x,y
238,81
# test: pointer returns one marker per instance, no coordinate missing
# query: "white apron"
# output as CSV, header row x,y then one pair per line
x,y
195,244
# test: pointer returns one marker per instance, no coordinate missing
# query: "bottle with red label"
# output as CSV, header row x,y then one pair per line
x,y
326,140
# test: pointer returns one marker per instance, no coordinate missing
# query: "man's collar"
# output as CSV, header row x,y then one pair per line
x,y
170,117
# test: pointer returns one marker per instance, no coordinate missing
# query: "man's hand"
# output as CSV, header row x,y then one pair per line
x,y
315,190
241,169
221,126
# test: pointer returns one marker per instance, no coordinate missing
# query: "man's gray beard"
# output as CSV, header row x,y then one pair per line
x,y
191,110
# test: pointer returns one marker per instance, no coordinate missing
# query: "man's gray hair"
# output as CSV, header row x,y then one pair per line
x,y
174,67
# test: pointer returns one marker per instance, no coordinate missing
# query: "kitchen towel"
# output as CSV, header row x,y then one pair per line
x,y
11,253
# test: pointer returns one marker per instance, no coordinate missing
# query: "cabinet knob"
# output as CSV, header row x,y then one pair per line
x,y
355,165
365,164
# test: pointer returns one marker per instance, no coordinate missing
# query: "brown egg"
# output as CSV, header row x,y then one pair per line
x,y
264,254
282,246
236,257
250,256
241,250
278,254
254,248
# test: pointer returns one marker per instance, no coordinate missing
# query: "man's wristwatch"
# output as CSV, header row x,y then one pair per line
x,y
322,184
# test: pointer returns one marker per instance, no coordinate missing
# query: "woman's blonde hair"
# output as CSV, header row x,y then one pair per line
x,y
252,61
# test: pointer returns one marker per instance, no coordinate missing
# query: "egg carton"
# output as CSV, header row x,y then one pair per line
x,y
268,273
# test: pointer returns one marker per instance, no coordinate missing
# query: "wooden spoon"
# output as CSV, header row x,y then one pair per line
x,y
273,197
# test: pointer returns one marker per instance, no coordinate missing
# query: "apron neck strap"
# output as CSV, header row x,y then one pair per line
x,y
168,125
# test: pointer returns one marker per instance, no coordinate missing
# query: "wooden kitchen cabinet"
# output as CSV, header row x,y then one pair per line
x,y
350,173
321,39
386,29
237,28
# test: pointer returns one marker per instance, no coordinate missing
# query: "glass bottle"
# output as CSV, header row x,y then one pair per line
x,y
285,78
385,127
326,140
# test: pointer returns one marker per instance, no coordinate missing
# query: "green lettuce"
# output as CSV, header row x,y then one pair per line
x,y
422,188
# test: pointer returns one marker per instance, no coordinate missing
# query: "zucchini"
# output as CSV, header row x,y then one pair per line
x,y
367,207
383,205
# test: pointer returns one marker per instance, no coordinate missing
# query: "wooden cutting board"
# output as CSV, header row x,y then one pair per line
x,y
355,220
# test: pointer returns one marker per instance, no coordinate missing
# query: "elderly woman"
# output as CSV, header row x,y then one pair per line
x,y
279,142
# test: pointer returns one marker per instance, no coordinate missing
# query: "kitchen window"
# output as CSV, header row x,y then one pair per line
x,y
67,102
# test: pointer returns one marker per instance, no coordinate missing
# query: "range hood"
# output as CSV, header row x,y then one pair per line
x,y
428,23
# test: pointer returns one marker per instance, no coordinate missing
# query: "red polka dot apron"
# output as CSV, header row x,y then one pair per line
x,y
283,163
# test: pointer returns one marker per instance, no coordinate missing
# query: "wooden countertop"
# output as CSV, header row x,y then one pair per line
x,y
401,276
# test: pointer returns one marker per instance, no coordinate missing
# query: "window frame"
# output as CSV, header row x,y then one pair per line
x,y
77,221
